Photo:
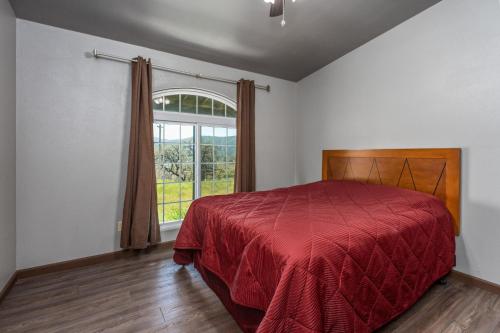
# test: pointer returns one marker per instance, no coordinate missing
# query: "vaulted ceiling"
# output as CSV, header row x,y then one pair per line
x,y
236,33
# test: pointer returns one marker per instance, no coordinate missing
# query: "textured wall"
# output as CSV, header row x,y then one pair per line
x,y
433,81
7,142
73,123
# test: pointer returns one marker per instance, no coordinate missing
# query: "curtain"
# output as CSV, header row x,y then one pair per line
x,y
245,137
140,226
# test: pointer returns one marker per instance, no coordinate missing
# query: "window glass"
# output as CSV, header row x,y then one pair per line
x,y
158,104
172,103
188,103
172,133
216,164
192,103
204,105
174,150
231,136
220,136
194,158
219,109
230,112
207,135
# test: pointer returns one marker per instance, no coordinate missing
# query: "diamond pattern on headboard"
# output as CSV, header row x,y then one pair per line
x,y
423,175
433,171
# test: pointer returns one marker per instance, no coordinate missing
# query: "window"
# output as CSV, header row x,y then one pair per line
x,y
195,148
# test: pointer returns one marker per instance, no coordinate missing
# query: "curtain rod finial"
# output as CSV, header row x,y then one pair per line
x,y
94,52
268,88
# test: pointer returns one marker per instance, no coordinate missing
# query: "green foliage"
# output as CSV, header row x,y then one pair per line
x,y
175,165
169,196
174,162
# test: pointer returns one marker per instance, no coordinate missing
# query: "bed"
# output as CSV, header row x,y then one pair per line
x,y
345,254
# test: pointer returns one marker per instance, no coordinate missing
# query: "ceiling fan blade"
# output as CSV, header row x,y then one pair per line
x,y
277,8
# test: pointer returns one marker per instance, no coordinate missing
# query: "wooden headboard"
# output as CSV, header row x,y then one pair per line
x,y
434,171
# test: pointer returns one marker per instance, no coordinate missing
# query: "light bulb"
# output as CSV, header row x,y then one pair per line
x,y
269,1
283,22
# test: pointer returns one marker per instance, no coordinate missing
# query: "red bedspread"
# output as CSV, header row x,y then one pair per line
x,y
321,257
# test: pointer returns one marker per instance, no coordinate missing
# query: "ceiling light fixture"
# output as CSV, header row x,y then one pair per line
x,y
278,9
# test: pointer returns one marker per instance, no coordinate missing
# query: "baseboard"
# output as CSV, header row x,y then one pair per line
x,y
472,280
86,261
8,286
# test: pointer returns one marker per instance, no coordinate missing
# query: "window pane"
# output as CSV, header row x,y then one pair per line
x,y
171,172
207,171
172,212
207,135
231,136
184,208
230,112
219,109
220,187
175,149
230,168
160,213
187,153
206,188
231,153
157,148
157,132
170,153
204,105
172,192
220,136
187,172
187,134
220,171
159,193
168,159
220,153
172,133
207,152
160,174
172,103
158,104
187,191
188,103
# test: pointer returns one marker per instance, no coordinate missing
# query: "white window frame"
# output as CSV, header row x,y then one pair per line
x,y
198,120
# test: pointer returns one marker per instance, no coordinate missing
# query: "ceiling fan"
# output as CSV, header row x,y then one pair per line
x,y
278,9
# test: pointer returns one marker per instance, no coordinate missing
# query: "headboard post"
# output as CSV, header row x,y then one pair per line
x,y
430,170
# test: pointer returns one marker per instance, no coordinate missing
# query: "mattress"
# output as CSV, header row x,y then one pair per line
x,y
330,256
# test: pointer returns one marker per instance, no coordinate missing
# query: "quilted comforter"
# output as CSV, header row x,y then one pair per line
x,y
322,257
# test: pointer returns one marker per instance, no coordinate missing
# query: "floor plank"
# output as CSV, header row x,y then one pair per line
x,y
149,293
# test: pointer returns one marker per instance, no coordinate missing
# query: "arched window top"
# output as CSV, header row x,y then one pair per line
x,y
194,101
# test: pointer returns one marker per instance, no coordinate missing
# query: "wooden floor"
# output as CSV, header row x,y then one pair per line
x,y
149,293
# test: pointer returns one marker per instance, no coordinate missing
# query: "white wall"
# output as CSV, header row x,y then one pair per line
x,y
433,81
72,136
7,142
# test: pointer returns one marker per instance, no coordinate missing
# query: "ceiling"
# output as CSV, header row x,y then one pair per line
x,y
235,33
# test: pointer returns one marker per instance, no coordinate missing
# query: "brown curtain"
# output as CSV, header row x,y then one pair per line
x,y
245,138
140,226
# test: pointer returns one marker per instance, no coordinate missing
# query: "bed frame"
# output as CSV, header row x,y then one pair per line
x,y
434,171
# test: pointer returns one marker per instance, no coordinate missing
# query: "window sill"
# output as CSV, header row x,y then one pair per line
x,y
170,226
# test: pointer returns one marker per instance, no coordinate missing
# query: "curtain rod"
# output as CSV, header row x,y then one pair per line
x,y
99,55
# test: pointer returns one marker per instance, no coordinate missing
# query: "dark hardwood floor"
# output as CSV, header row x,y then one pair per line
x,y
149,293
